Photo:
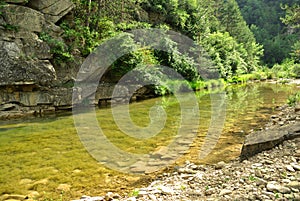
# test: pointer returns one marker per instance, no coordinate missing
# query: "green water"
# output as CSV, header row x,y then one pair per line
x,y
42,153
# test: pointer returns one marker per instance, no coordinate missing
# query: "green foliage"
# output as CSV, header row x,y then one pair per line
x,y
198,85
83,38
171,87
263,17
2,4
134,193
231,18
11,27
296,70
295,53
228,55
58,48
180,62
137,57
209,84
292,15
252,178
288,69
126,63
216,25
293,99
184,65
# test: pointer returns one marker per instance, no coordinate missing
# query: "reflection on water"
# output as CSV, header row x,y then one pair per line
x,y
39,154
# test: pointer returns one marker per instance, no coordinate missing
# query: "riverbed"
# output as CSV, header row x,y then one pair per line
x,y
44,157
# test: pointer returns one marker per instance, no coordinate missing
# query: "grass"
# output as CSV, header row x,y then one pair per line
x,y
252,178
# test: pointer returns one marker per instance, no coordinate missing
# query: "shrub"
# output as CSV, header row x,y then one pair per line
x,y
59,49
293,99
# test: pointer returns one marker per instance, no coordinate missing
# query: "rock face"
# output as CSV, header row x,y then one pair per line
x,y
24,57
23,18
53,10
27,77
29,83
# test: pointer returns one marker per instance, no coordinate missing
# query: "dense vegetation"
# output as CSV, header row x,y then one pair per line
x,y
274,26
218,26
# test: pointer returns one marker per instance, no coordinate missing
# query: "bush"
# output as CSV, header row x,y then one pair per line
x,y
227,54
58,48
293,99
288,69
296,70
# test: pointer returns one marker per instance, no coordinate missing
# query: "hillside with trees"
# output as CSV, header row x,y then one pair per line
x,y
272,24
218,26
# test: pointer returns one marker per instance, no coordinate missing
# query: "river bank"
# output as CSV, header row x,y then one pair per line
x,y
270,175
42,102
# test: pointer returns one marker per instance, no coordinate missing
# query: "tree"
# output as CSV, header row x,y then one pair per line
x,y
228,55
295,53
263,16
292,16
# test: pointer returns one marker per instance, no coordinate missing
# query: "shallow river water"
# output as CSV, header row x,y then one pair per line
x,y
39,154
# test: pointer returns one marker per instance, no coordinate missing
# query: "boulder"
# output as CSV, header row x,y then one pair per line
x,y
36,48
25,58
15,69
7,107
54,10
25,44
267,139
62,97
28,80
12,50
23,18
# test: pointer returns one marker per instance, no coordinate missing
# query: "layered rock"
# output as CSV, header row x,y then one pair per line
x,y
27,77
23,18
53,10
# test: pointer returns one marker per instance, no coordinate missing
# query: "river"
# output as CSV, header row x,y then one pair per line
x,y
39,154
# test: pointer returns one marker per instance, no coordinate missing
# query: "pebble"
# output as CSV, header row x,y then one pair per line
x,y
295,166
152,197
269,162
275,187
63,187
220,165
166,190
225,192
294,184
290,168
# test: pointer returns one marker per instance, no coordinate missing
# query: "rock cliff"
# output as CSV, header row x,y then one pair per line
x,y
29,82
27,77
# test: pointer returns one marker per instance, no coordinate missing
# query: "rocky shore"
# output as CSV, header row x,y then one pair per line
x,y
270,175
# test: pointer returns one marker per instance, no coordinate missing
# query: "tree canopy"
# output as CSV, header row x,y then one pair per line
x,y
274,24
218,26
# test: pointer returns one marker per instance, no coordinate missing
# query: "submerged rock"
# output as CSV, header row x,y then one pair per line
x,y
64,187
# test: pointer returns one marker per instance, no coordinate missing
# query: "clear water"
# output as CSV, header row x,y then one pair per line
x,y
39,154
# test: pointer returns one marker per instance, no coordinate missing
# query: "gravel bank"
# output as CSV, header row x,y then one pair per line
x,y
271,175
